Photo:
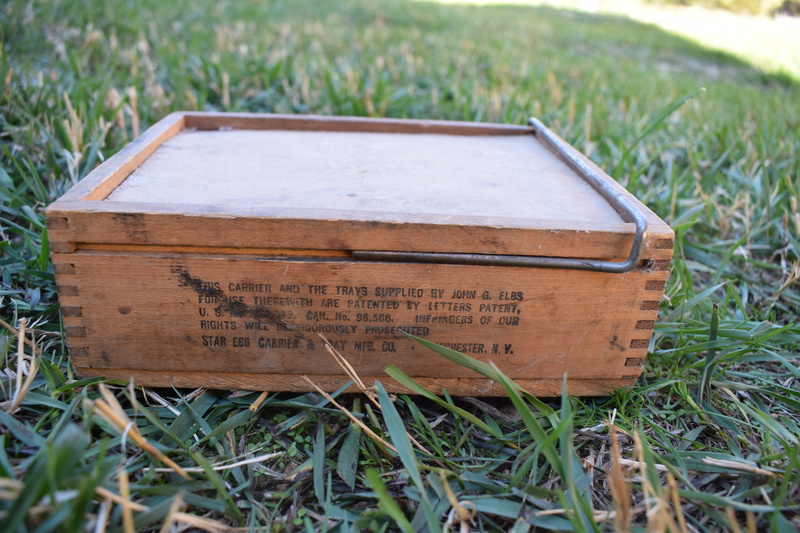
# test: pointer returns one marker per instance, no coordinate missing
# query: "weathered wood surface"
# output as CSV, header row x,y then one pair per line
x,y
295,382
188,313
378,173
234,291
256,121
153,224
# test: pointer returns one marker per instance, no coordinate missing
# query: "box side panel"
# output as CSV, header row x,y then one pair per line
x,y
199,320
137,225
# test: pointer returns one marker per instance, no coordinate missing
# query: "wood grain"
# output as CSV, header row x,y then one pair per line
x,y
223,314
154,224
258,121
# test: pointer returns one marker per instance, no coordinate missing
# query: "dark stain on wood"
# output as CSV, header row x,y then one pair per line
x,y
235,308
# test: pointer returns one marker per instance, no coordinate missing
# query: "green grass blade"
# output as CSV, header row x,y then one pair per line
x,y
158,510
21,431
408,382
156,421
219,485
385,501
654,122
184,424
792,369
708,368
6,469
318,457
575,478
347,463
238,420
397,431
484,369
535,429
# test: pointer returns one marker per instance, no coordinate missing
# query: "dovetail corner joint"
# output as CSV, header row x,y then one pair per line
x,y
64,269
639,343
75,331
67,290
59,247
655,285
57,223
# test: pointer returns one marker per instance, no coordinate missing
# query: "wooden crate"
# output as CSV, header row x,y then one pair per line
x,y
214,250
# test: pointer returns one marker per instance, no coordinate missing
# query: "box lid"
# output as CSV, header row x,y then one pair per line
x,y
368,187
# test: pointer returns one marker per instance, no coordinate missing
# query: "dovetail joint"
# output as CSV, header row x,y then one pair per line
x,y
661,265
640,343
650,305
655,265
67,290
57,223
75,331
63,268
62,247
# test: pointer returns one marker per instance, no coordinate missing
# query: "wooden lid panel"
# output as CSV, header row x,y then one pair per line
x,y
398,173
344,183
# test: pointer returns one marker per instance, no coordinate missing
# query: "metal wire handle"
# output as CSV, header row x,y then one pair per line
x,y
569,155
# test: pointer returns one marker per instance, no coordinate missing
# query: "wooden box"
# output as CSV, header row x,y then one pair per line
x,y
214,250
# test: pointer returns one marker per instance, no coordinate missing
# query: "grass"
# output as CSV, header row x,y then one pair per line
x,y
707,440
772,43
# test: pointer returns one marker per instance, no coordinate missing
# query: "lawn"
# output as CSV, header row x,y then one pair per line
x,y
707,440
771,43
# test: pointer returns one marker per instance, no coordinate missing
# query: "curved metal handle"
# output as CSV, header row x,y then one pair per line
x,y
569,155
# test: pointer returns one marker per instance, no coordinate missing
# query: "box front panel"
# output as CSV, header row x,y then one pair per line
x,y
127,314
